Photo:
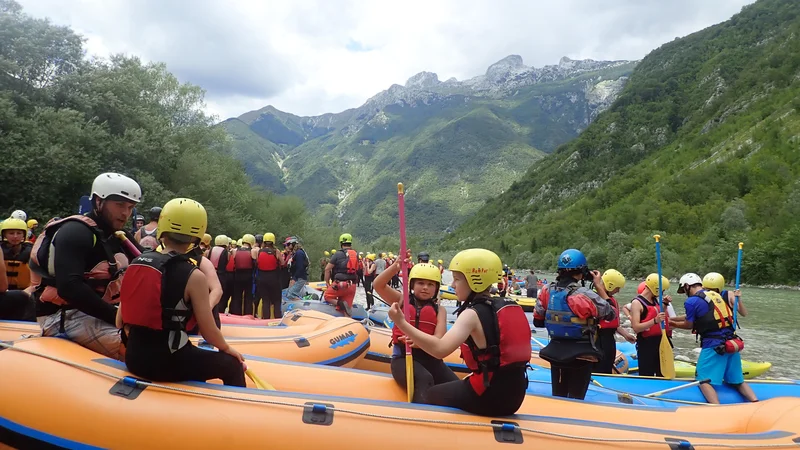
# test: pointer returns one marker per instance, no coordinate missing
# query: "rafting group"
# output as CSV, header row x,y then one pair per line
x,y
156,310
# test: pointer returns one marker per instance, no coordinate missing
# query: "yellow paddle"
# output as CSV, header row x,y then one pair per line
x,y
260,383
665,354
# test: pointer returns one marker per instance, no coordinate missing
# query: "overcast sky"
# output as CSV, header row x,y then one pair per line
x,y
310,57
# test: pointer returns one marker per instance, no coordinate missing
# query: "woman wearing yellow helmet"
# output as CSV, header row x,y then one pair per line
x,y
613,281
427,317
162,296
493,334
15,304
369,278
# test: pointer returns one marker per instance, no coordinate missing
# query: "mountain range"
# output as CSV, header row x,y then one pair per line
x,y
455,144
702,146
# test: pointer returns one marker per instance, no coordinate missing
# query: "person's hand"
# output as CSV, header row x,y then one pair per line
x,y
738,293
407,340
291,283
660,317
396,314
630,338
232,351
667,299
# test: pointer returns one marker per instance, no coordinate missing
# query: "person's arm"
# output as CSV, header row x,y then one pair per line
x,y
622,331
742,310
118,320
197,293
3,277
636,324
381,285
214,286
540,309
441,322
439,348
75,241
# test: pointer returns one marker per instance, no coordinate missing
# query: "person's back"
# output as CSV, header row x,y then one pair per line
x,y
531,284
380,266
164,295
340,276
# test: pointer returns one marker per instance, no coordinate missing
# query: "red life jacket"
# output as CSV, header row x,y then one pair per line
x,y
243,260
611,324
215,255
268,260
105,277
423,317
648,313
230,266
508,341
352,261
144,302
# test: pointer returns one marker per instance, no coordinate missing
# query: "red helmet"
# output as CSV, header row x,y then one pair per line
x,y
641,288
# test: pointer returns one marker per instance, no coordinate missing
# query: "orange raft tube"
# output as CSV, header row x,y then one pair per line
x,y
101,405
336,341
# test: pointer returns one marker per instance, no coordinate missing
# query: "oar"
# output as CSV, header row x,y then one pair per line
x,y
401,202
678,388
738,274
127,243
260,383
664,349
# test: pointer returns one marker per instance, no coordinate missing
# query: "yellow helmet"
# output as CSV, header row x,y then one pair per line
x,y
269,237
14,224
333,250
481,267
371,256
441,262
33,223
183,216
327,253
713,280
222,240
206,239
652,283
613,279
346,238
391,255
239,243
248,239
425,271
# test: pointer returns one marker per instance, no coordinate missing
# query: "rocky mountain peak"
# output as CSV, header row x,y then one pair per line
x,y
423,80
508,66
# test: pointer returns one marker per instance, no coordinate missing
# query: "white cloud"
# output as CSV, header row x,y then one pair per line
x,y
313,57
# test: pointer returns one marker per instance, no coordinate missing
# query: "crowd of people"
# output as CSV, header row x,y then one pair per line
x,y
136,296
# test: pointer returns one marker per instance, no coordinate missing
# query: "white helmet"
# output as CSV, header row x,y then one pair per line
x,y
19,214
688,279
115,184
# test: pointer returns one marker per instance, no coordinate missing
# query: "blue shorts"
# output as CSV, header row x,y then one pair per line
x,y
716,367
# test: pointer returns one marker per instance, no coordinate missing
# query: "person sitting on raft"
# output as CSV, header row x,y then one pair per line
x,y
164,294
494,337
425,316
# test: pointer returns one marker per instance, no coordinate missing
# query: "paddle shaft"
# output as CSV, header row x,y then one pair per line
x,y
738,276
677,388
401,203
127,243
666,354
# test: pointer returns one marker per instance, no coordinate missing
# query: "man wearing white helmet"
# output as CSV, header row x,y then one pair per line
x,y
19,214
81,263
710,316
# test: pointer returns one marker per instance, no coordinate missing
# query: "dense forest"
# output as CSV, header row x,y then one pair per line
x,y
65,118
702,147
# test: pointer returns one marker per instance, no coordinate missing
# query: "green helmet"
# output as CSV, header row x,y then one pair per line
x,y
346,238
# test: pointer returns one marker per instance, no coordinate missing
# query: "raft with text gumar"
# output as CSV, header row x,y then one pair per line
x,y
101,405
359,313
333,341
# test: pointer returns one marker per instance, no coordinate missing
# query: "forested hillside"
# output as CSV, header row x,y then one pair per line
x,y
64,119
702,146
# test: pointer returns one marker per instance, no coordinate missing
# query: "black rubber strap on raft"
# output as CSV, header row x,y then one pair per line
x,y
127,387
507,432
318,413
302,342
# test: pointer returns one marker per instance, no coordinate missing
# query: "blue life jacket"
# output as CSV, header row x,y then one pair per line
x,y
561,322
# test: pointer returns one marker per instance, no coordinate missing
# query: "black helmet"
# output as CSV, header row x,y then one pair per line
x,y
259,238
155,213
424,256
138,218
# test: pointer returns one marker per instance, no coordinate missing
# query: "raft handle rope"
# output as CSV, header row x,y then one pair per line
x,y
130,381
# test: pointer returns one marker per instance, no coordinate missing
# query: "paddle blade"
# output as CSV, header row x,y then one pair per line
x,y
410,377
261,384
667,357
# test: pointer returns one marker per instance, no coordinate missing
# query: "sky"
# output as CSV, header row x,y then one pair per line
x,y
311,57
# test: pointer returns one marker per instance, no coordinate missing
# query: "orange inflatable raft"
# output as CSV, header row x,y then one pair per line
x,y
95,403
313,338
